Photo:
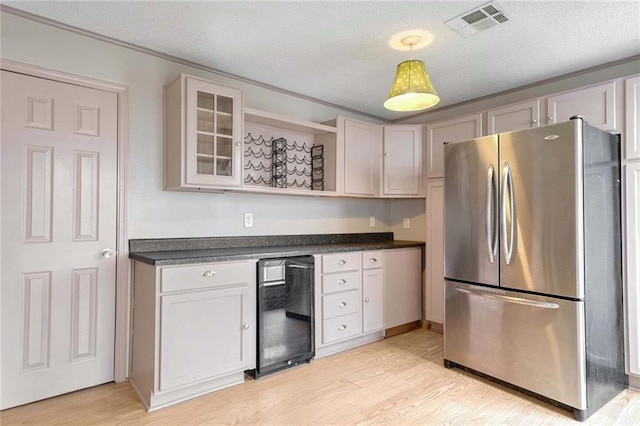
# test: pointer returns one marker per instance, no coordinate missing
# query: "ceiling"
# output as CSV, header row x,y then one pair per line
x,y
338,51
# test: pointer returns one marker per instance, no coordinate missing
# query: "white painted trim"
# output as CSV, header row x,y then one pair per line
x,y
123,289
634,382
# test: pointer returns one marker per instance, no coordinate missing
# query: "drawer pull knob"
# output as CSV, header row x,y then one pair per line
x,y
366,300
342,327
245,326
208,273
342,304
342,262
342,281
373,260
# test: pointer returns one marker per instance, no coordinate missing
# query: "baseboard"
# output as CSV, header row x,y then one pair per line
x,y
634,382
401,328
437,327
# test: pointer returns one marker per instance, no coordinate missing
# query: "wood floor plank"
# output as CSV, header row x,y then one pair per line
x,y
399,380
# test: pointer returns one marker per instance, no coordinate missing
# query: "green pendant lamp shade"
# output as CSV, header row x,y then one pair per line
x,y
412,89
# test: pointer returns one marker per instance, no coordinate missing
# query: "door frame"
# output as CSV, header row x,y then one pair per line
x,y
123,265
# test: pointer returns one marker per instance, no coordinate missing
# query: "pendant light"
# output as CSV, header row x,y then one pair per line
x,y
412,89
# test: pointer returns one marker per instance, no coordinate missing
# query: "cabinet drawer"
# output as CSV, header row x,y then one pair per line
x,y
347,302
340,262
371,259
340,328
205,275
340,281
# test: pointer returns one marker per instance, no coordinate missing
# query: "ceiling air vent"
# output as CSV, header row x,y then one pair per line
x,y
479,19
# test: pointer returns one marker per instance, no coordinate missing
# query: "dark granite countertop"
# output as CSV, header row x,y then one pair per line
x,y
202,250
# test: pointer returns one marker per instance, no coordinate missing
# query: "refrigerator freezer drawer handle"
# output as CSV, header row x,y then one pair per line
x,y
272,283
293,265
511,299
489,223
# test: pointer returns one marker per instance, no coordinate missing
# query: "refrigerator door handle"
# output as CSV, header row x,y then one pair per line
x,y
510,299
507,182
490,228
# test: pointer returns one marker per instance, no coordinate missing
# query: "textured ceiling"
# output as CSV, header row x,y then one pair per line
x,y
338,51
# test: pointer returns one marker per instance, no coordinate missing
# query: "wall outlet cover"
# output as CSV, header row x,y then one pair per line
x,y
372,221
248,220
406,223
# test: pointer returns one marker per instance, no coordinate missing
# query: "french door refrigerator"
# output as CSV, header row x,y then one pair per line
x,y
533,281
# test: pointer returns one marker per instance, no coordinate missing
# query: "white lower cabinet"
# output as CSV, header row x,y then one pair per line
x,y
402,275
349,300
193,329
633,267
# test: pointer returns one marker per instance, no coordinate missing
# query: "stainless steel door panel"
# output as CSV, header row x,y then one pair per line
x,y
540,212
471,210
533,342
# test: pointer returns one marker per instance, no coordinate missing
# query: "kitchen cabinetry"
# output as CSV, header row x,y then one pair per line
x,y
402,169
458,129
372,291
344,283
597,104
434,288
193,329
203,135
632,108
513,117
285,155
362,157
402,274
633,266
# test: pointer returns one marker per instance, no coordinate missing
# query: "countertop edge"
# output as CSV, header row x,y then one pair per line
x,y
157,258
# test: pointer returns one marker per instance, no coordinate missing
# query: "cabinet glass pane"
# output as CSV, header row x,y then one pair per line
x,y
205,100
225,124
223,167
205,165
205,121
205,144
224,148
225,104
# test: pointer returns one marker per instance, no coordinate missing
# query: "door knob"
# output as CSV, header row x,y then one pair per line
x,y
342,262
106,253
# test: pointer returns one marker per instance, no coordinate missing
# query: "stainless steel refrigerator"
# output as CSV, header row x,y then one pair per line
x,y
533,281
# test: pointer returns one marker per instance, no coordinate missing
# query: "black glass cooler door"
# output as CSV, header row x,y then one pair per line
x,y
285,313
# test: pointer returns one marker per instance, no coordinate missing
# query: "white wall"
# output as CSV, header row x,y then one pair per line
x,y
154,213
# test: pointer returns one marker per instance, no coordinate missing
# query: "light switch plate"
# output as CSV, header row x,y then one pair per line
x,y
248,220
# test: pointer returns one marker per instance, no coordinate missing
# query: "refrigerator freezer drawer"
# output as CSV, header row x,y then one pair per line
x,y
534,342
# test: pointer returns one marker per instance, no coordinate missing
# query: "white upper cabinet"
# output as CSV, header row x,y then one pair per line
x,y
597,104
455,130
402,160
632,107
514,117
203,135
362,157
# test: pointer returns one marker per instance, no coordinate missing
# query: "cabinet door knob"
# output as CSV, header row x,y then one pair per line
x,y
373,260
245,326
342,304
342,281
342,262
386,154
237,143
550,118
366,300
208,273
342,327
534,121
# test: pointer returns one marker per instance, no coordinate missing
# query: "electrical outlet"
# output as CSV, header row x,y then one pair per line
x,y
406,223
248,220
372,221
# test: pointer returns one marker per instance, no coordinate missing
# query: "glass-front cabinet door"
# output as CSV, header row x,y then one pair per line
x,y
213,134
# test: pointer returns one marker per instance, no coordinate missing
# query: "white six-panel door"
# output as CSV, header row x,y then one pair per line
x,y
59,155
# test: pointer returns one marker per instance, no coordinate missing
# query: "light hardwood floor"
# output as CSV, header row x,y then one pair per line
x,y
399,380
